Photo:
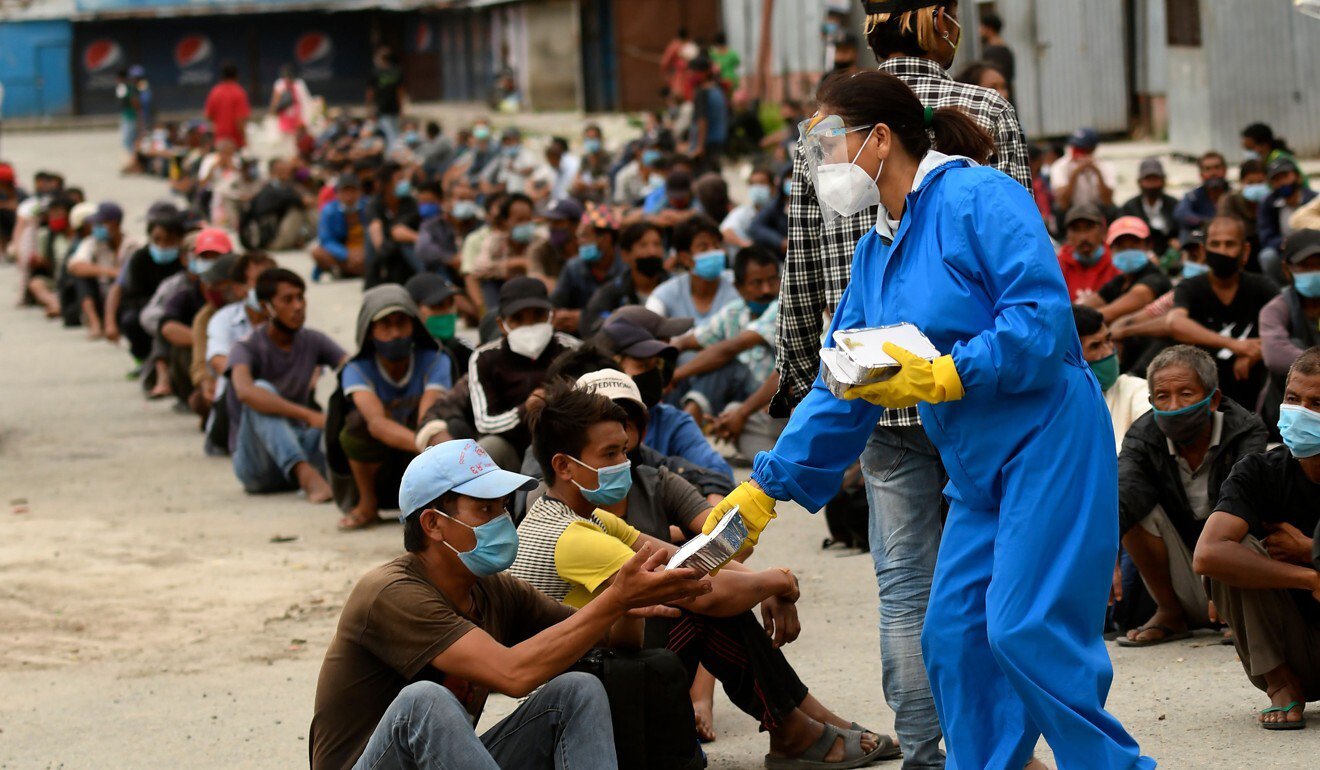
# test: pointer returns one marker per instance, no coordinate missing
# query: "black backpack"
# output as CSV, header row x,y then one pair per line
x,y
848,518
654,728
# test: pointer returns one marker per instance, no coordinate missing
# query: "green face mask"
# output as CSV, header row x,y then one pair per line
x,y
442,327
1106,371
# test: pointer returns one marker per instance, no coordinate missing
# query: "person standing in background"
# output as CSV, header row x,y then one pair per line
x,y
227,107
126,96
288,100
386,93
996,52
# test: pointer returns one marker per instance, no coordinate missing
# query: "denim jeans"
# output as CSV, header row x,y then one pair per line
x,y
269,447
904,487
565,725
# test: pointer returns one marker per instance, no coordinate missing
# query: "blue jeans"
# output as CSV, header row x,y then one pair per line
x,y
904,487
389,126
269,447
565,725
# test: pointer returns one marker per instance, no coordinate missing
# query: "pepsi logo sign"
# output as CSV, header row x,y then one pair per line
x,y
192,50
312,48
102,55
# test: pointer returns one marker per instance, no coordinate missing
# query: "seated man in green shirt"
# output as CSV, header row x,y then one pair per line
x,y
575,539
426,637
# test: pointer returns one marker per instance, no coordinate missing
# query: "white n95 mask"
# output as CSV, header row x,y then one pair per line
x,y
530,341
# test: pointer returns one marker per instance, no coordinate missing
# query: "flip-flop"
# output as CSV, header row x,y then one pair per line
x,y
1169,636
814,757
1298,725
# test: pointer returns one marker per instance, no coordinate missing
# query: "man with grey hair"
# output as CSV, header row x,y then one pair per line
x,y
1173,461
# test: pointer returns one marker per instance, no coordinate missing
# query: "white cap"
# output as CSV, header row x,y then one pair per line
x,y
612,384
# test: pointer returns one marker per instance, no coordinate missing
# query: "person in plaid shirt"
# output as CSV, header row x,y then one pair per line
x,y
914,40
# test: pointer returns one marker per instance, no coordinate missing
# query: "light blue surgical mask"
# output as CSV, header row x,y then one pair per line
x,y
759,195
403,188
163,256
1130,260
788,187
511,151
1251,155
1256,192
1307,284
101,233
591,145
1193,269
612,482
252,302
496,548
589,252
1300,429
709,264
523,233
465,210
650,157
198,266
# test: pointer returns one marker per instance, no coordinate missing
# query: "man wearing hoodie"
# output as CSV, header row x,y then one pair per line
x,y
396,374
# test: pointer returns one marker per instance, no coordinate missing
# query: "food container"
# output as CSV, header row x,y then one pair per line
x,y
858,356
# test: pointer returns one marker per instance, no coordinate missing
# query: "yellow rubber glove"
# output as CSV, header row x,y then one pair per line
x,y
757,509
919,380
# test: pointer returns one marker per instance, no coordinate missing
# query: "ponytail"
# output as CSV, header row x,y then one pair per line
x,y
957,134
875,97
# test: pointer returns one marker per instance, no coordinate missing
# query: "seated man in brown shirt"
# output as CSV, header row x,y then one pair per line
x,y
426,637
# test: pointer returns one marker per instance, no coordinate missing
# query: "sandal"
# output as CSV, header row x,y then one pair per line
x,y
814,757
1169,636
1298,725
884,740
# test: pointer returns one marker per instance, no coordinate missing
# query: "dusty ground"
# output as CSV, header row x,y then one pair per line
x,y
152,616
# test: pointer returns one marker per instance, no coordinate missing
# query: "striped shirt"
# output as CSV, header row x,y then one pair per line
x,y
569,557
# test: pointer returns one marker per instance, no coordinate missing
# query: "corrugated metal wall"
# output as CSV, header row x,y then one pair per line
x,y
798,44
1071,64
1262,59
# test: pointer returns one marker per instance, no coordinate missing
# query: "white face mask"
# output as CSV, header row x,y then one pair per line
x,y
530,341
846,187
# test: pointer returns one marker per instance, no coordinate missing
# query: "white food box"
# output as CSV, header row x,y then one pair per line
x,y
858,356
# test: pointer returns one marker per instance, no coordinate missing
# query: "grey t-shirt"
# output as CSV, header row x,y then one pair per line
x,y
289,371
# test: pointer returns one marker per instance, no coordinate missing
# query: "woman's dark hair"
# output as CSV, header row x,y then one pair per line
x,y
562,422
634,233
1261,133
269,280
505,207
873,97
902,33
687,231
1088,320
972,73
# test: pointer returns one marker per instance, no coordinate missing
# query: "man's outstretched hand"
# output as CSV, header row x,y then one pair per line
x,y
644,582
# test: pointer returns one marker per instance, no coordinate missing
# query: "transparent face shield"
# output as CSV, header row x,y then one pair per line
x,y
825,148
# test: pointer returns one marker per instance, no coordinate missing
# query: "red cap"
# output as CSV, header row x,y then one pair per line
x,y
1127,226
213,239
6,173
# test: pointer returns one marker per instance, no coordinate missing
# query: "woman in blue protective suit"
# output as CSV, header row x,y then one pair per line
x,y
1012,639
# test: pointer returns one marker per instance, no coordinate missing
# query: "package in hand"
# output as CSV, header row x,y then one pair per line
x,y
705,553
858,356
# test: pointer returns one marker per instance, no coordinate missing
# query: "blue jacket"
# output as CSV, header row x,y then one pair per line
x,y
674,433
972,266
1193,211
1268,215
333,230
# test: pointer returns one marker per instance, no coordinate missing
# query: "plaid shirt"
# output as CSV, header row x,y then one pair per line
x,y
820,258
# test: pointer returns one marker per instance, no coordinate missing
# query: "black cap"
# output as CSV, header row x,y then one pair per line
x,y
627,338
564,209
220,269
1281,166
1194,238
108,211
660,327
521,293
1087,211
346,181
430,289
1301,244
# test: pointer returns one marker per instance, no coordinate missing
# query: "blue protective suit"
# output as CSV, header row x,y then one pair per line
x,y
1012,640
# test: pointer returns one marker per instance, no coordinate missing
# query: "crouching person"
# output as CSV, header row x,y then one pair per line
x,y
395,377
424,639
1257,550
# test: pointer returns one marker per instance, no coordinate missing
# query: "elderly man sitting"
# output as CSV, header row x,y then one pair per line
x,y
1260,557
1170,469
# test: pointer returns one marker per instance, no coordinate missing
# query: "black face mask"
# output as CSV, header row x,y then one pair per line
x,y
650,266
1222,265
651,385
395,349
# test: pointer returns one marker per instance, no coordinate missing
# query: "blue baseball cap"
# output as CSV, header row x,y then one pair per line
x,y
460,466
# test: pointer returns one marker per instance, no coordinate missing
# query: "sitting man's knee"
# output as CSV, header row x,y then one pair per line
x,y
266,385
428,700
581,690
